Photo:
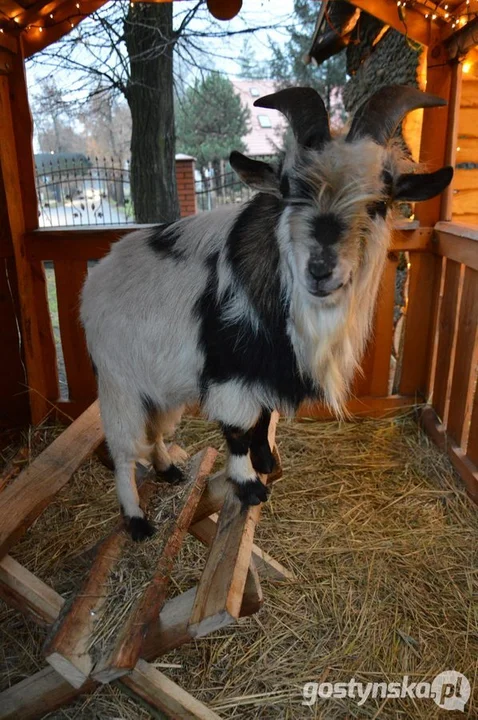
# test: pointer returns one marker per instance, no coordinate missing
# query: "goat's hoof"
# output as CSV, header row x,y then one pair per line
x,y
139,528
263,460
251,492
173,475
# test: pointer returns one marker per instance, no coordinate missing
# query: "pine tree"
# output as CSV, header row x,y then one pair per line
x,y
288,67
211,121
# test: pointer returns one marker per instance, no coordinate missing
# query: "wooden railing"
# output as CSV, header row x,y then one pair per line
x,y
69,250
452,419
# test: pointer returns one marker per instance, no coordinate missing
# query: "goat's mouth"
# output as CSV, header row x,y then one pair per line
x,y
330,287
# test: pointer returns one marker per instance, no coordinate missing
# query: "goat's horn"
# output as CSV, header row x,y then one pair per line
x,y
379,116
306,112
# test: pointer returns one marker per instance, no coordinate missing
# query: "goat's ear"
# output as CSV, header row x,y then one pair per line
x,y
422,186
256,174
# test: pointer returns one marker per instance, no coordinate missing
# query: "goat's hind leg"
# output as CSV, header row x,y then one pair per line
x,y
123,422
159,424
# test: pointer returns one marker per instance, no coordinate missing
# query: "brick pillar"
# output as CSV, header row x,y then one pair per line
x,y
186,184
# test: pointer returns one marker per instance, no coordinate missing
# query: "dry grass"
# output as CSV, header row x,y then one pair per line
x,y
382,539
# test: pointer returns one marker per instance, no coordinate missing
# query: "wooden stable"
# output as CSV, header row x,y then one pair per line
x,y
438,364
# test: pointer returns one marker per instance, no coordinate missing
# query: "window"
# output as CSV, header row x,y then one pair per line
x,y
264,121
254,92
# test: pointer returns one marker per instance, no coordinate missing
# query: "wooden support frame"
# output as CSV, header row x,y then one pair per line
x,y
221,587
71,649
23,501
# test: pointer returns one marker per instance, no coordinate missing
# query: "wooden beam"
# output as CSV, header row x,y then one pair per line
x,y
67,16
462,464
221,587
415,26
24,591
72,650
205,531
46,690
127,646
23,501
162,693
43,692
367,406
93,243
457,242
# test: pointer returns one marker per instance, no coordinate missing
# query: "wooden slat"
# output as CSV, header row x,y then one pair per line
x,y
384,330
472,448
162,693
43,692
23,501
469,93
462,464
468,123
466,358
468,150
93,243
446,335
418,321
47,339
24,591
465,201
465,179
219,597
205,531
69,278
127,646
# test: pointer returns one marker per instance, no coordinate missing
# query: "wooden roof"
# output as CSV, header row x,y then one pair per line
x,y
42,22
424,21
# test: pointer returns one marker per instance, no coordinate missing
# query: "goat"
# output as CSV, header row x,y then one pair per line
x,y
253,307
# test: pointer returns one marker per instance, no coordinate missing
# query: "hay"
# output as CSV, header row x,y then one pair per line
x,y
382,539
135,569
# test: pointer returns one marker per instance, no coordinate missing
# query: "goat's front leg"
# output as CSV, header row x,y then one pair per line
x,y
249,489
261,454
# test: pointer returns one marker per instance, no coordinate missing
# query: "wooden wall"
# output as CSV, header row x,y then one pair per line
x,y
465,198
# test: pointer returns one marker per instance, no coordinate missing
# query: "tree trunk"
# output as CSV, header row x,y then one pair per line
x,y
150,41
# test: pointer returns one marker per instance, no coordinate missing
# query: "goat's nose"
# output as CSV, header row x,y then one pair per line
x,y
319,270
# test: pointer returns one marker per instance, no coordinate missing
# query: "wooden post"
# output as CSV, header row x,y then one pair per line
x,y
16,160
424,271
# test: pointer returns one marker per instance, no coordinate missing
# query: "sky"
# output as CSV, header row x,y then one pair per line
x,y
220,54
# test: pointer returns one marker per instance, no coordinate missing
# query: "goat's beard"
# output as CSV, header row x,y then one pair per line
x,y
329,334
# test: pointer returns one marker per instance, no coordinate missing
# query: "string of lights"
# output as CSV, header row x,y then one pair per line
x,y
436,12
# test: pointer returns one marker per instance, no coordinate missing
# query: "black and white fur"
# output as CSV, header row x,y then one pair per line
x,y
245,309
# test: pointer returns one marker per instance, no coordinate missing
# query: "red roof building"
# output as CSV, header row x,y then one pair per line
x,y
267,126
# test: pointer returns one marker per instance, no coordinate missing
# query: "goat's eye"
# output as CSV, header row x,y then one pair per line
x,y
377,208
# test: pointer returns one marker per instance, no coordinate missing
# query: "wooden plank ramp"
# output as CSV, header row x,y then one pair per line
x,y
221,587
47,690
162,693
26,498
103,630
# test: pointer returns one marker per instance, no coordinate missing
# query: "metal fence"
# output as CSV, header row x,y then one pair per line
x,y
74,189
78,190
226,189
